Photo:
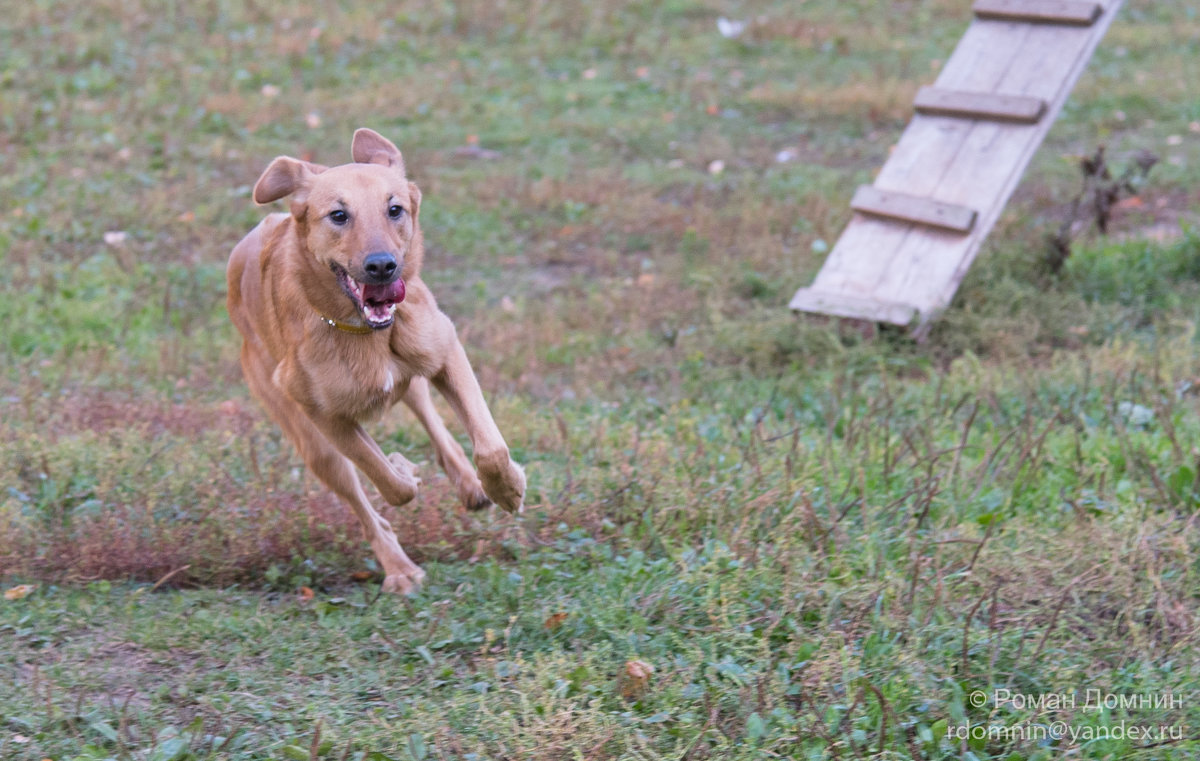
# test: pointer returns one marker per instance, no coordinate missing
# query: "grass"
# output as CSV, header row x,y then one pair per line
x,y
823,540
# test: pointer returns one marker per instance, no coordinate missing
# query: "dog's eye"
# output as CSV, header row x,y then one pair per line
x,y
339,217
395,211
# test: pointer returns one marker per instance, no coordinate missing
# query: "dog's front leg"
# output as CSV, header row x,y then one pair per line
x,y
503,480
394,476
335,469
449,452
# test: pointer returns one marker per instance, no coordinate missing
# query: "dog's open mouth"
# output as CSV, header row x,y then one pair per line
x,y
376,303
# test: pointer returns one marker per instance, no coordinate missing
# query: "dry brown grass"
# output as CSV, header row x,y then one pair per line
x,y
220,518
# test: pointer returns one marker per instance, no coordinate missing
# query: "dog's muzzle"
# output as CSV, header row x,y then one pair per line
x,y
377,297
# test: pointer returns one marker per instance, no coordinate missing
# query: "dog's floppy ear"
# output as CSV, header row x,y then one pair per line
x,y
284,177
370,147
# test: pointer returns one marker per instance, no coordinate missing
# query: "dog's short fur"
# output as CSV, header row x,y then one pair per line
x,y
338,327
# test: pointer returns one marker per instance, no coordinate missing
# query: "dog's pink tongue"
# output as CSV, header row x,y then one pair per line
x,y
392,293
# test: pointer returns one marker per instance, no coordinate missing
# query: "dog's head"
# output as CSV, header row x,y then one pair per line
x,y
359,220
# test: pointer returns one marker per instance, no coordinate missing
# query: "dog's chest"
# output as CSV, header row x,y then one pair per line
x,y
361,388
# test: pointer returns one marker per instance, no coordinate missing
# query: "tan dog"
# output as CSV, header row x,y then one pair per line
x,y
338,327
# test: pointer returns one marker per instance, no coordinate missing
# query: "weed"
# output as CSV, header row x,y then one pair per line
x,y
1100,193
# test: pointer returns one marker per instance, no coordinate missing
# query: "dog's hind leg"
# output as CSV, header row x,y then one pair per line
x,y
337,472
450,454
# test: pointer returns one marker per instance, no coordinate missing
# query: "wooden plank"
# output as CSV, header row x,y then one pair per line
x,y
979,105
976,164
910,208
971,163
924,151
1076,12
844,305
993,157
864,250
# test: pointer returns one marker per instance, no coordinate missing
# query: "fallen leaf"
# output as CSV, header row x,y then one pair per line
x,y
635,679
645,280
638,669
362,575
554,621
270,91
187,216
19,592
1132,202
306,594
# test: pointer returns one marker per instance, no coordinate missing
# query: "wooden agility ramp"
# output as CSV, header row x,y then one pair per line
x,y
917,229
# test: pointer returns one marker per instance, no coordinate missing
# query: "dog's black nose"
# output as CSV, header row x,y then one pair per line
x,y
380,267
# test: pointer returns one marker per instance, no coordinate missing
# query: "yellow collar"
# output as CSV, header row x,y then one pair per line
x,y
358,330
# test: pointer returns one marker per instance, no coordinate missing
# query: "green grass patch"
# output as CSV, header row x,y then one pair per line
x,y
750,535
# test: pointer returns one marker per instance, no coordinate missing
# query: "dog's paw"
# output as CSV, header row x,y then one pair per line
x,y
407,482
471,494
407,469
506,486
403,583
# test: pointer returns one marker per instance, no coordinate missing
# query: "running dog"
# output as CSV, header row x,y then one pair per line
x,y
337,326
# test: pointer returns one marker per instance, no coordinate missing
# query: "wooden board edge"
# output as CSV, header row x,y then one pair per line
x,y
1074,13
853,307
894,205
1015,109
